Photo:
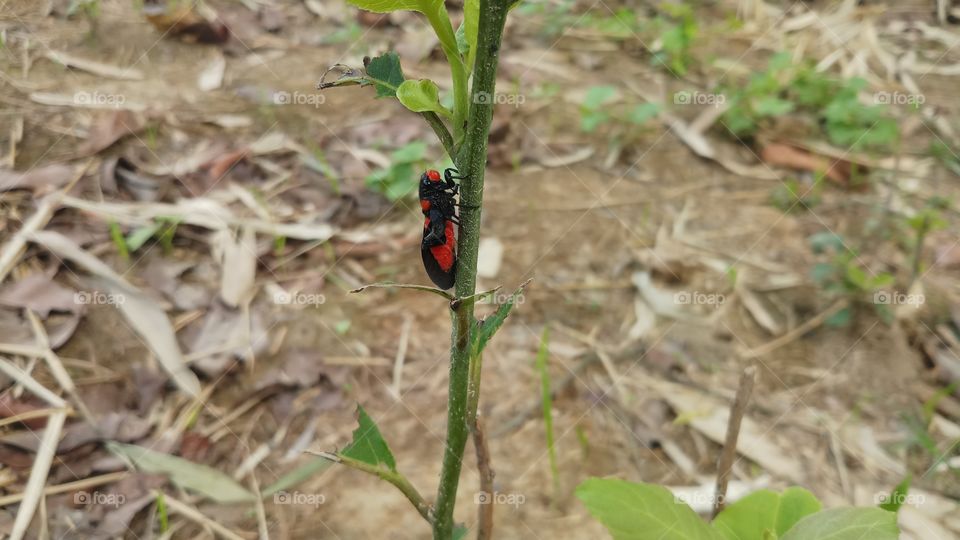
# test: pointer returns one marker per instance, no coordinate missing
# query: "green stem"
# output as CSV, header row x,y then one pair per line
x,y
440,21
471,159
393,477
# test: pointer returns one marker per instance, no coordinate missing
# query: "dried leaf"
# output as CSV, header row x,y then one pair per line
x,y
37,179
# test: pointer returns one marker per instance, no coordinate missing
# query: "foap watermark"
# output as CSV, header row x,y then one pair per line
x,y
698,499
500,298
898,98
98,99
299,498
685,97
298,298
899,499
298,98
895,298
97,298
697,298
96,498
508,499
486,98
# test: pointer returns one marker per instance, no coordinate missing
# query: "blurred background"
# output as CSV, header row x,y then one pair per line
x,y
694,187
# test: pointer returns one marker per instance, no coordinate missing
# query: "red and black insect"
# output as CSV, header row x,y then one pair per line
x,y
439,245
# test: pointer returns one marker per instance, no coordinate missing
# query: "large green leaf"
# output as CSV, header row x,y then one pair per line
x,y
368,445
386,6
421,96
846,524
633,511
765,513
471,18
201,479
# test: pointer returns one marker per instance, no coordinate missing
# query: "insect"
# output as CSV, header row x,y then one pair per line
x,y
439,246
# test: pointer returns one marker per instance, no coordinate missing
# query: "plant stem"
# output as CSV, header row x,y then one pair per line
x,y
747,379
440,21
471,159
393,477
441,130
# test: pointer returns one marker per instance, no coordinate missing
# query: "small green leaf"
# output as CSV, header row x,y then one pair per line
x,y
421,96
632,511
195,477
643,112
597,96
490,325
139,236
897,497
368,445
772,106
386,6
846,524
385,73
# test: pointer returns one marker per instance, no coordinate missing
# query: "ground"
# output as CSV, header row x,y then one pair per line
x,y
664,262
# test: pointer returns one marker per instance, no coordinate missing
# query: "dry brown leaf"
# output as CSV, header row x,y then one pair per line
x,y
239,258
785,155
109,127
38,179
40,294
92,66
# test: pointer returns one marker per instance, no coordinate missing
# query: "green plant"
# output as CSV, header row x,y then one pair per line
x,y
791,194
843,275
639,511
462,128
399,179
678,30
596,110
785,87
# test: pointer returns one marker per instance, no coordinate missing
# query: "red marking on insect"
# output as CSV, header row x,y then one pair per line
x,y
439,246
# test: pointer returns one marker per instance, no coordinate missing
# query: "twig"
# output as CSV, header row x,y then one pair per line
x,y
67,487
484,511
398,480
389,285
33,492
442,132
796,332
747,380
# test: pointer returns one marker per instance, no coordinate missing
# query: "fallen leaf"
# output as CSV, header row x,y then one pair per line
x,y
142,312
109,127
92,66
186,474
40,294
186,20
239,264
785,155
38,179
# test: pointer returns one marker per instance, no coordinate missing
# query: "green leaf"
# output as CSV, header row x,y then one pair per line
x,y
597,96
195,477
772,106
386,6
632,511
490,325
385,73
139,236
897,497
421,96
846,524
796,503
368,445
643,112
765,513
